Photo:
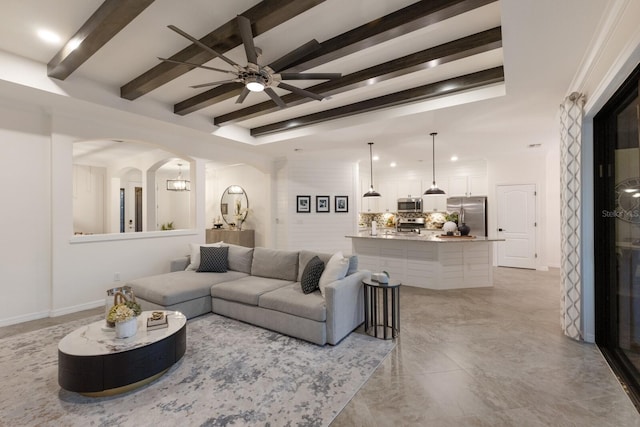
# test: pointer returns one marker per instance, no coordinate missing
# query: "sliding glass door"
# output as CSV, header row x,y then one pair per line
x,y
617,232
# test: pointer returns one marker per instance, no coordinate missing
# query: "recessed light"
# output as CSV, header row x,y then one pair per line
x,y
49,36
454,158
392,164
376,158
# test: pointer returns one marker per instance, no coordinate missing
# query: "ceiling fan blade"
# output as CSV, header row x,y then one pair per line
x,y
301,92
243,95
274,96
204,46
296,54
213,83
247,39
191,64
310,76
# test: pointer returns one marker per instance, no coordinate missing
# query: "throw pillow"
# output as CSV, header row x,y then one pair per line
x,y
336,269
194,261
214,259
311,275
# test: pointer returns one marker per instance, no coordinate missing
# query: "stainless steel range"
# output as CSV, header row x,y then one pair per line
x,y
410,224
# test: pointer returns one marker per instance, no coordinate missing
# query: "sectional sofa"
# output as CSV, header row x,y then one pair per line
x,y
262,286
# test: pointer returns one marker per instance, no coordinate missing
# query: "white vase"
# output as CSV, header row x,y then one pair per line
x,y
127,328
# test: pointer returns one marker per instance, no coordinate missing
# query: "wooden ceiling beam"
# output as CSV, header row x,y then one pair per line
x,y
111,17
403,21
421,93
428,58
408,19
264,16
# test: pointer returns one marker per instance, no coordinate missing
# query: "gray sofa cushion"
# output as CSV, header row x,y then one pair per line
x,y
248,289
275,264
172,288
240,258
290,299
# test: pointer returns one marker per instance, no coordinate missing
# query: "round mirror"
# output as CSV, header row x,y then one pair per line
x,y
234,205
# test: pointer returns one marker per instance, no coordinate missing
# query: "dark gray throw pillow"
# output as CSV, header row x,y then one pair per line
x,y
311,275
214,259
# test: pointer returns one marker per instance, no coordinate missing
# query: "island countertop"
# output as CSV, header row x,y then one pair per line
x,y
427,236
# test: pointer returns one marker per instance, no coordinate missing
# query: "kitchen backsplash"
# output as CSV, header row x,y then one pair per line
x,y
433,220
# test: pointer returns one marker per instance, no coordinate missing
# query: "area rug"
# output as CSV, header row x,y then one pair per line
x,y
231,374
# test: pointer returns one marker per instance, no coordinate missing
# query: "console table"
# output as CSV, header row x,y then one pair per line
x,y
92,361
235,237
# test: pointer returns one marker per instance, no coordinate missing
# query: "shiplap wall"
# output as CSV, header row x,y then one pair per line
x,y
323,232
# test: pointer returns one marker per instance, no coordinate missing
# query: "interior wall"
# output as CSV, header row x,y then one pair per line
x,y
25,266
324,232
257,186
538,170
89,189
173,206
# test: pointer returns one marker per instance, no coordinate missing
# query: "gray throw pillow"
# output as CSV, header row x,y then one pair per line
x,y
311,275
213,259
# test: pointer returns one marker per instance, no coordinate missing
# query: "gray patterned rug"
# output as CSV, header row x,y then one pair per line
x,y
232,374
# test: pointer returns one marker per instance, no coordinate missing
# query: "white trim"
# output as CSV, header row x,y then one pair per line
x,y
602,35
24,318
90,238
76,308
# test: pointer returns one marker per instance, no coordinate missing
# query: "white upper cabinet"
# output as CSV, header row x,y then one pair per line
x,y
389,196
468,185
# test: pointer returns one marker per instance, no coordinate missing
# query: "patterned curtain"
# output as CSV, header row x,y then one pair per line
x,y
571,113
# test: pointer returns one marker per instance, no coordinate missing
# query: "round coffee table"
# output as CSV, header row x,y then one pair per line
x,y
92,361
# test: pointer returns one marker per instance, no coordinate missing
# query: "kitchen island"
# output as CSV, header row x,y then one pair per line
x,y
427,260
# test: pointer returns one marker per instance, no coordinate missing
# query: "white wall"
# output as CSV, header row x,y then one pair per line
x,y
173,206
322,232
257,186
25,256
89,189
539,169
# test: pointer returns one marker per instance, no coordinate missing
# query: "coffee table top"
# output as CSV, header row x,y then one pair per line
x,y
97,339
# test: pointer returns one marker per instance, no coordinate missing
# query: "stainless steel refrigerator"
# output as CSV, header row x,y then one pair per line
x,y
472,211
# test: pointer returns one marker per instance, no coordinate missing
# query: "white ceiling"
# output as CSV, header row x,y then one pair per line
x,y
544,42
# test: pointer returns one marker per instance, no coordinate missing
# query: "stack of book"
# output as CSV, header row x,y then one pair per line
x,y
157,320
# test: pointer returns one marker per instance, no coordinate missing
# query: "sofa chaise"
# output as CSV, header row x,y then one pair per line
x,y
263,287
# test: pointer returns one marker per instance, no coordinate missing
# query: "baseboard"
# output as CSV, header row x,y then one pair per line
x,y
542,268
23,318
76,308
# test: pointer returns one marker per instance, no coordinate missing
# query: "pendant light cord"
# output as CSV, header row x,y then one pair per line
x,y
433,152
371,163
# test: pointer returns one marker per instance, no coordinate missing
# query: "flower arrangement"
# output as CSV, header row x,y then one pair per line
x,y
123,312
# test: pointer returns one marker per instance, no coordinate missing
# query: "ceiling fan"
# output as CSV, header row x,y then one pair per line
x,y
256,77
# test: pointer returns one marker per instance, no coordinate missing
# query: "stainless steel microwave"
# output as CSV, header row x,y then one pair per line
x,y
410,205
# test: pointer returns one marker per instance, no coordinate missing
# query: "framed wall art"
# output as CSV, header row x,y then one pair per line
x,y
341,204
303,204
322,203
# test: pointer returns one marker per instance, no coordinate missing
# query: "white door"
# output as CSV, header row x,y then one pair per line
x,y
517,225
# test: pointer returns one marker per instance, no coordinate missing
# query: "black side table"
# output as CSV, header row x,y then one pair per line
x,y
377,321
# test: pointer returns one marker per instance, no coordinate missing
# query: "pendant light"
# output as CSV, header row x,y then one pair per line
x,y
371,192
179,184
434,190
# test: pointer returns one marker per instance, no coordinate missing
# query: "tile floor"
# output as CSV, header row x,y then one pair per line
x,y
490,357
480,357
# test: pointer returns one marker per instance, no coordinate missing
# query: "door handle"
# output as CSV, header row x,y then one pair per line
x,y
500,229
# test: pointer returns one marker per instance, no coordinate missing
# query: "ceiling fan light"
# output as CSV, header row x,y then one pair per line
x,y
255,84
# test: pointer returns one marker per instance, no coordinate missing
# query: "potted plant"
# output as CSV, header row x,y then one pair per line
x,y
125,320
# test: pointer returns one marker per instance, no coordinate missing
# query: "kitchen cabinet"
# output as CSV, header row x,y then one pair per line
x,y
389,200
436,203
469,185
409,188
